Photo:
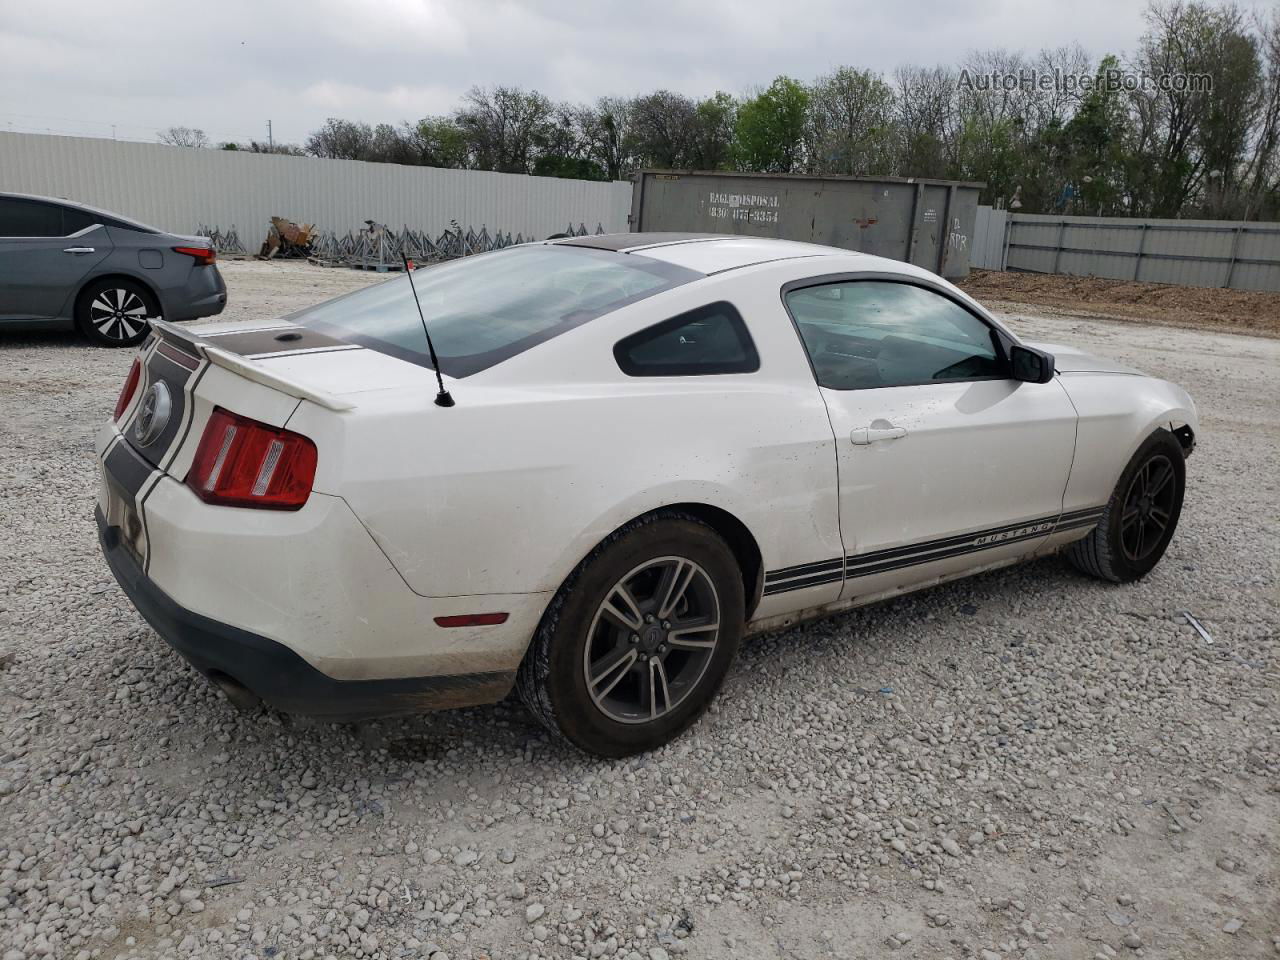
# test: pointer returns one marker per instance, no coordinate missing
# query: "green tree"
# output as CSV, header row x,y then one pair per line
x,y
437,142
771,126
714,121
1094,147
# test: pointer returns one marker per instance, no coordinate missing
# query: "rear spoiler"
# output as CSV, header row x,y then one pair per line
x,y
246,368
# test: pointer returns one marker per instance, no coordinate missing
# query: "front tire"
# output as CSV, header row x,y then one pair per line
x,y
115,313
1141,516
638,640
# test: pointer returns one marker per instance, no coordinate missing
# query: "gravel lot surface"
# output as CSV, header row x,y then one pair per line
x,y
1027,764
1254,312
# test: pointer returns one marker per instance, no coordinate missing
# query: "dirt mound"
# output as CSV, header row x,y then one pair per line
x,y
1238,311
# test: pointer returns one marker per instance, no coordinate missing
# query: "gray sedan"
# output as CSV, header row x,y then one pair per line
x,y
66,264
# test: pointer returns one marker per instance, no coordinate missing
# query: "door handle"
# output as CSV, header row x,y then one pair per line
x,y
78,250
880,430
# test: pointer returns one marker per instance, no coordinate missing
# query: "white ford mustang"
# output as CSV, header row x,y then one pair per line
x,y
657,442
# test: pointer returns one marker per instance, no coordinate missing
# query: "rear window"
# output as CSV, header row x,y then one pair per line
x,y
487,308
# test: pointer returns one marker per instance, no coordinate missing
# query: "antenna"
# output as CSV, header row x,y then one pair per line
x,y
443,399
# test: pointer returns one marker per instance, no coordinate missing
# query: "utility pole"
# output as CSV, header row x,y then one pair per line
x,y
270,143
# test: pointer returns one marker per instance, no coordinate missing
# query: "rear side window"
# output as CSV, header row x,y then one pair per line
x,y
487,308
74,220
710,340
29,218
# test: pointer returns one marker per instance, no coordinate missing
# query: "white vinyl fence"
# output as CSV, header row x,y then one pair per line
x,y
178,188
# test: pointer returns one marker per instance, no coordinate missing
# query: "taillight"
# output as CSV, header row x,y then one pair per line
x,y
244,463
204,256
129,389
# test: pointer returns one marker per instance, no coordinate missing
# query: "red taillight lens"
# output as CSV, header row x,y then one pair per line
x,y
204,256
244,463
130,387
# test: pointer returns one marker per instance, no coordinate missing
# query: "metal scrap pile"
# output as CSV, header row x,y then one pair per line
x,y
226,243
374,247
379,247
287,239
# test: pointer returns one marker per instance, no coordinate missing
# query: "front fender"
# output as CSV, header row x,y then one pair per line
x,y
1117,413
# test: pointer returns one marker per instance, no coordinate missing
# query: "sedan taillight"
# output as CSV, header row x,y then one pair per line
x,y
204,256
129,389
244,463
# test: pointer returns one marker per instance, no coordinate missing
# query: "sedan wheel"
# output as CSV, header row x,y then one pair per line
x,y
639,638
118,314
115,313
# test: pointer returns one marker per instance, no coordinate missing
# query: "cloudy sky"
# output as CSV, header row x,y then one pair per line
x,y
82,67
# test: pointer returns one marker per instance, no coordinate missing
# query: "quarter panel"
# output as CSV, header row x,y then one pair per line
x,y
545,454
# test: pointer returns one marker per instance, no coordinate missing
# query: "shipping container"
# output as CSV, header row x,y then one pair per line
x,y
926,222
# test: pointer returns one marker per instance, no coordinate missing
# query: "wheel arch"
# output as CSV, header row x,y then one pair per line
x,y
88,282
741,541
746,550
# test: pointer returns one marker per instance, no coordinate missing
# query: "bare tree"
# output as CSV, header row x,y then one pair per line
x,y
1186,132
1260,177
183,137
851,124
503,127
606,133
663,130
341,140
927,120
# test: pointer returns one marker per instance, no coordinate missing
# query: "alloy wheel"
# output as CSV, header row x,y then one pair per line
x,y
118,314
1148,508
651,640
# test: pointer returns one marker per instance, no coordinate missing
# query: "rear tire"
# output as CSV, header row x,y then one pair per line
x,y
1141,516
638,640
115,313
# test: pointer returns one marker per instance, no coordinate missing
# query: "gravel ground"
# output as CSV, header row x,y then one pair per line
x,y
1026,764
1255,312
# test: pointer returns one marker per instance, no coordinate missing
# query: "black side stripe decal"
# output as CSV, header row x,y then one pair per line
x,y
833,577
803,568
819,572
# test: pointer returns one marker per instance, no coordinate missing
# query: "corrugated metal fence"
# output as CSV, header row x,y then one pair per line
x,y
1196,253
990,234
176,188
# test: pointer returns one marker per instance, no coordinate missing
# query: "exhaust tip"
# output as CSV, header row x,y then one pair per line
x,y
240,696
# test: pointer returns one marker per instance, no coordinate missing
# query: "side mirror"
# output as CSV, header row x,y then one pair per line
x,y
1030,365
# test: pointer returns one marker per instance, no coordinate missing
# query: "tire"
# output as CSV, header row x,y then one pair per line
x,y
1131,536
115,313
661,671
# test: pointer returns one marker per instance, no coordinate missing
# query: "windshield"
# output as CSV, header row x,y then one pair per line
x,y
483,309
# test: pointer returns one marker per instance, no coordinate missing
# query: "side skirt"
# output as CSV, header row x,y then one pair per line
x,y
809,614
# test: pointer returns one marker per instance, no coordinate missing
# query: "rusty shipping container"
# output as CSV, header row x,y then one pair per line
x,y
925,222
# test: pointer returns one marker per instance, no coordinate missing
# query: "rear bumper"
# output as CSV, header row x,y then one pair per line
x,y
203,295
274,673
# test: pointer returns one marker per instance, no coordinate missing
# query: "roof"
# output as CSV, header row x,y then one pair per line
x,y
66,202
620,242
704,252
